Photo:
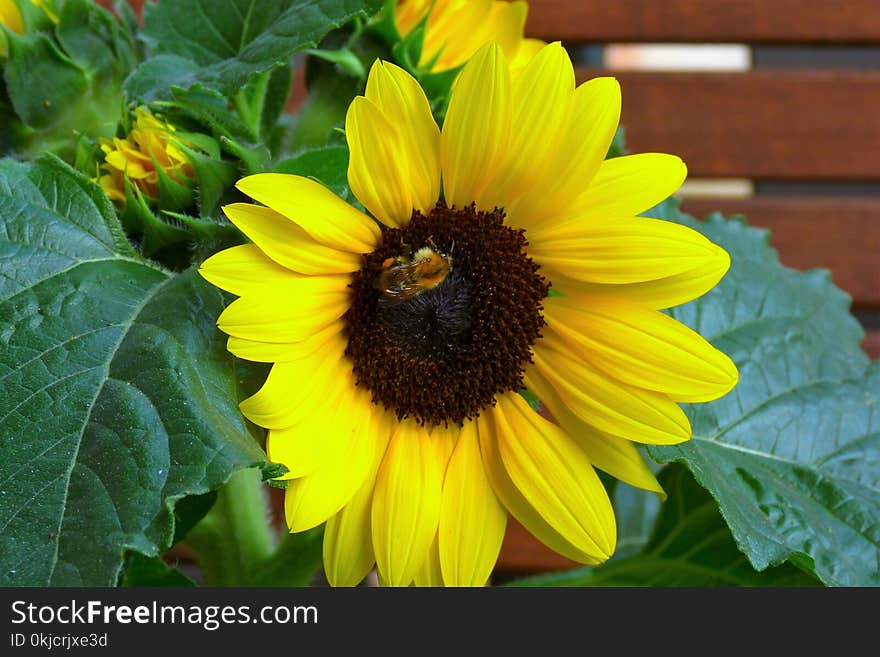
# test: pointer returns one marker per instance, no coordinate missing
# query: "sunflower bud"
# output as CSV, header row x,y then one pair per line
x,y
150,158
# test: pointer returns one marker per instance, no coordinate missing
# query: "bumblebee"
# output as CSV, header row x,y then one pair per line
x,y
408,275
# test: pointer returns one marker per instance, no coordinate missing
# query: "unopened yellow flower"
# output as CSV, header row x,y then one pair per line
x,y
149,146
10,17
400,343
456,29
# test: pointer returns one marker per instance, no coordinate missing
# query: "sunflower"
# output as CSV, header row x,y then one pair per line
x,y
456,29
401,345
150,147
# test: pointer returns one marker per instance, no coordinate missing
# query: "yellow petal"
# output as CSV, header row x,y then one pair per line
x,y
541,96
616,456
658,294
623,250
609,405
577,155
348,536
555,478
314,208
642,347
406,504
288,244
292,312
442,442
527,49
293,388
629,185
403,103
345,465
472,520
378,172
279,352
430,573
514,501
348,542
304,447
474,142
247,270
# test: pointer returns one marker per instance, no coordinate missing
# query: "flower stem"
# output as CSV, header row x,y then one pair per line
x,y
235,539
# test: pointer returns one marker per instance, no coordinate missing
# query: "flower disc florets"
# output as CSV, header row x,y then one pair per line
x,y
442,354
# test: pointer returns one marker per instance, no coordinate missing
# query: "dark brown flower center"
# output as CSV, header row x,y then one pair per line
x,y
444,314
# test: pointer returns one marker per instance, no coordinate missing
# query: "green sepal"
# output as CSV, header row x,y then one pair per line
x,y
271,471
140,222
255,158
173,195
214,176
207,144
408,51
208,235
87,157
261,101
211,109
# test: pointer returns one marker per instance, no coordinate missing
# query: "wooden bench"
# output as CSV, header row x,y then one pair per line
x,y
814,130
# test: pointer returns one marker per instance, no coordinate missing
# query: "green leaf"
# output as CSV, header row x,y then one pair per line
x,y
792,454
231,40
152,571
93,39
328,165
156,75
690,546
107,418
636,512
41,80
189,511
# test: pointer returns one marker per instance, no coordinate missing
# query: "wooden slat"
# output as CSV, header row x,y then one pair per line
x,y
840,234
761,124
765,21
522,553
